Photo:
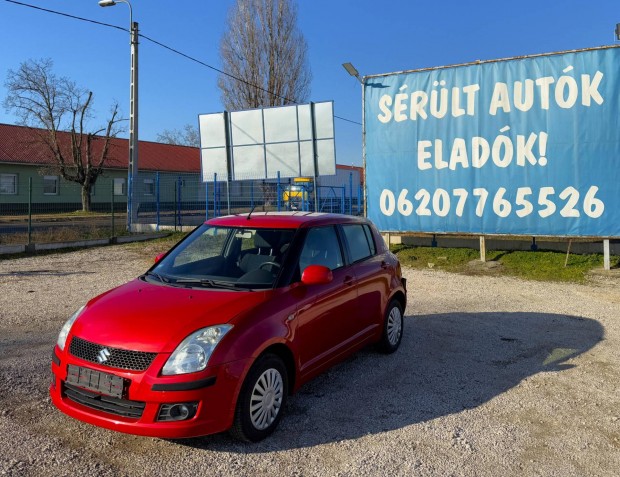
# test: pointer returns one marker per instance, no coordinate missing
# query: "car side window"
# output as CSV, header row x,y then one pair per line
x,y
371,242
321,247
361,245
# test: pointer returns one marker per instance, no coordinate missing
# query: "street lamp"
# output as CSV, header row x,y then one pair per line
x,y
132,170
352,70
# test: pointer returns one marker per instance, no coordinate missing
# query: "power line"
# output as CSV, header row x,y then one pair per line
x,y
191,58
66,15
173,50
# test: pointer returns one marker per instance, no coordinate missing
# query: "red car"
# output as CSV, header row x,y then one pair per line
x,y
238,315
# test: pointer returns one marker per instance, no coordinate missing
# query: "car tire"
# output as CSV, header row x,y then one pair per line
x,y
392,328
261,400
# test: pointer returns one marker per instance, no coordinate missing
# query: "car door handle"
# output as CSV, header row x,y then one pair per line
x,y
348,281
384,265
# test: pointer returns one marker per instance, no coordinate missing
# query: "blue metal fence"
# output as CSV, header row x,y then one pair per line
x,y
184,200
43,213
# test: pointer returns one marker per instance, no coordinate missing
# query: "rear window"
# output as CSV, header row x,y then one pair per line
x,y
371,242
359,238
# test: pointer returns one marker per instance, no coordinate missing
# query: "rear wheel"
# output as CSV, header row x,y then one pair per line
x,y
262,399
392,327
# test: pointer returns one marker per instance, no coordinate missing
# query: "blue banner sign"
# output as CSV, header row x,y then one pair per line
x,y
525,146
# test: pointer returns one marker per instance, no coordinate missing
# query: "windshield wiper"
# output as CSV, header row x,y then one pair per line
x,y
161,278
208,283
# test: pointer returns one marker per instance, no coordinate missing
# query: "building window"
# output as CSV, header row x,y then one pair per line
x,y
149,187
50,185
8,184
236,189
119,186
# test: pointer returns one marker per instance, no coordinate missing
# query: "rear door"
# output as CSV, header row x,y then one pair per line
x,y
371,271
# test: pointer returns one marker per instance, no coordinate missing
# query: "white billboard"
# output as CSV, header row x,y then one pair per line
x,y
289,141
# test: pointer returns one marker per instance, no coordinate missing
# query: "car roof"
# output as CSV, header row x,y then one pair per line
x,y
284,220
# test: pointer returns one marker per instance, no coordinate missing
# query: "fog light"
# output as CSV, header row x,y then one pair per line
x,y
177,412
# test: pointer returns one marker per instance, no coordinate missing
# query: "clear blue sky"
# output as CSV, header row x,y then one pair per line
x,y
377,37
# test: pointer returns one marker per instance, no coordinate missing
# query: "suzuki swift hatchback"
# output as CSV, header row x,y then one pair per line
x,y
234,318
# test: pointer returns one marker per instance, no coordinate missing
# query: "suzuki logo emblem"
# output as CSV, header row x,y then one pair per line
x,y
103,355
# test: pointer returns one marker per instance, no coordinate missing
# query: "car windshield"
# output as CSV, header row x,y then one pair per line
x,y
225,257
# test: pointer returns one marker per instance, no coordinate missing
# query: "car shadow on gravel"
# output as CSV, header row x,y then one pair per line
x,y
447,363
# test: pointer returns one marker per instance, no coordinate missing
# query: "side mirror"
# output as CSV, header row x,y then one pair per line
x,y
159,257
316,275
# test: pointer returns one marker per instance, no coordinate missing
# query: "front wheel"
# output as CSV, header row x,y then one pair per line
x,y
261,400
392,327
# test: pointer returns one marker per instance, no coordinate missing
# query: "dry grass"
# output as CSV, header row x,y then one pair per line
x,y
62,234
540,265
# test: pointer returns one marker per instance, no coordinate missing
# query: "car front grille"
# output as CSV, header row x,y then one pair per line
x,y
114,357
111,405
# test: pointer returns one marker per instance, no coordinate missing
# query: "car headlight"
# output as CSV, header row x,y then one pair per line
x,y
64,331
194,351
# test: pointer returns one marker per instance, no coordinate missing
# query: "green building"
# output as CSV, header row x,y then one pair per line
x,y
27,173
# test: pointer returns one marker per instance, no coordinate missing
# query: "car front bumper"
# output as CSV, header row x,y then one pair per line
x,y
137,411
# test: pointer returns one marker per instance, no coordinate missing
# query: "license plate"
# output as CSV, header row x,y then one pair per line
x,y
102,383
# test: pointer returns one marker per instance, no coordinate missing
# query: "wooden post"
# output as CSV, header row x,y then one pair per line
x,y
567,252
483,249
30,211
606,260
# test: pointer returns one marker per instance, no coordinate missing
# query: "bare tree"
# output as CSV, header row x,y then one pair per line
x,y
263,47
187,137
57,111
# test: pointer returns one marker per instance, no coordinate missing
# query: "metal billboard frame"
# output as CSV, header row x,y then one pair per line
x,y
266,143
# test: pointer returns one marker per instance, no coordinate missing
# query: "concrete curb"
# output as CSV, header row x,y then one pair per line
x,y
35,247
151,228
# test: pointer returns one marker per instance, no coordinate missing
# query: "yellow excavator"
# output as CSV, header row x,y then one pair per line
x,y
297,194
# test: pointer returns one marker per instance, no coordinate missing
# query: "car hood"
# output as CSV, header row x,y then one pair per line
x,y
156,318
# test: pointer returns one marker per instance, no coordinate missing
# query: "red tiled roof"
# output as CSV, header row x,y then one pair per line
x,y
18,145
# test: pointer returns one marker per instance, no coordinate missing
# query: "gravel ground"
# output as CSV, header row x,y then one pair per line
x,y
495,376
